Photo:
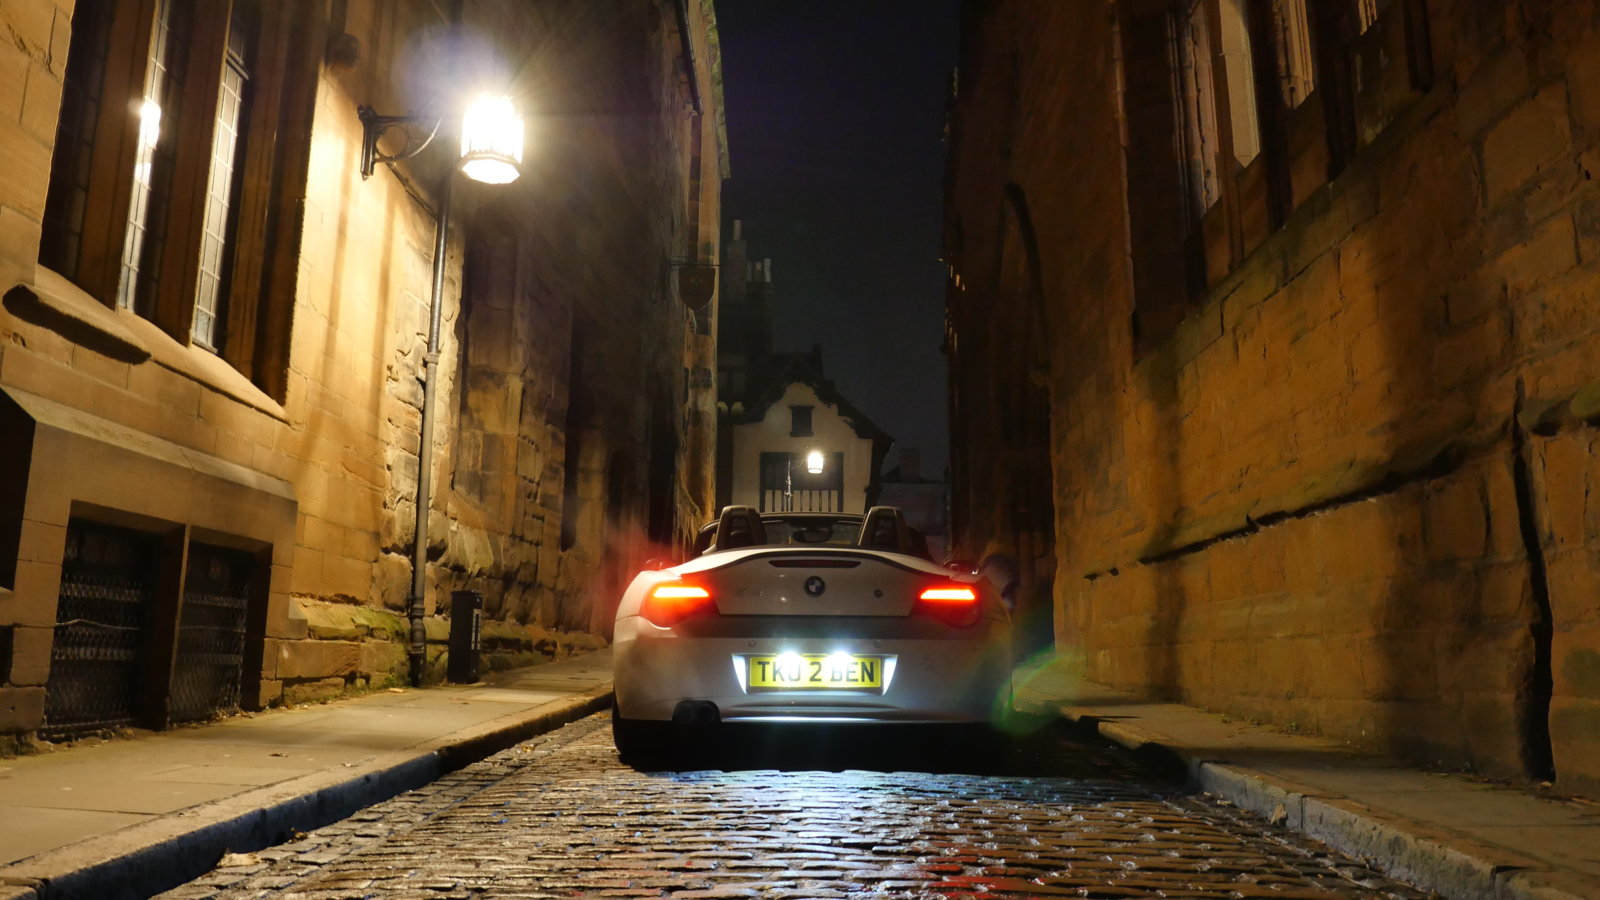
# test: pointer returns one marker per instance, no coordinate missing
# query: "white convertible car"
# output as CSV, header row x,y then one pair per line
x,y
806,618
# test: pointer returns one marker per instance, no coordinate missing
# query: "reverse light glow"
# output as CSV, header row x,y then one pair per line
x,y
815,462
491,140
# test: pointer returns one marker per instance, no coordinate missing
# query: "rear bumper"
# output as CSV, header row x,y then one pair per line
x,y
946,679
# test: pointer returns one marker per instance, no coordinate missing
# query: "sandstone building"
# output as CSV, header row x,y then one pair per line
x,y
214,331
1273,326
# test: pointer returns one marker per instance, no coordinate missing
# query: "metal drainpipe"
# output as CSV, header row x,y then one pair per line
x,y
430,378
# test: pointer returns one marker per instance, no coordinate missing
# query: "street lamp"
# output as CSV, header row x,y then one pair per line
x,y
815,462
491,152
491,141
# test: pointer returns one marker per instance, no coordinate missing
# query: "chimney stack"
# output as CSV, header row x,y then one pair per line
x,y
734,259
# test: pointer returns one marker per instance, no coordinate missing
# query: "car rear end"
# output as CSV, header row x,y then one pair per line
x,y
811,635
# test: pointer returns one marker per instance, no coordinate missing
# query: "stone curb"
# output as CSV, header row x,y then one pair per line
x,y
163,853
1447,864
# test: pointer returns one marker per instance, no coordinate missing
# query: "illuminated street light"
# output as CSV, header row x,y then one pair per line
x,y
815,462
491,140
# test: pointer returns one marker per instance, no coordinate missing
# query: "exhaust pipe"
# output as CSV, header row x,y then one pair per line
x,y
696,712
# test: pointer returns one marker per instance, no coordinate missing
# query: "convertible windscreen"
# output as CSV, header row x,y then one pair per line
x,y
812,532
741,527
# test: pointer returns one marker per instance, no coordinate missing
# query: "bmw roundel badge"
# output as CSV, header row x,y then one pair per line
x,y
815,585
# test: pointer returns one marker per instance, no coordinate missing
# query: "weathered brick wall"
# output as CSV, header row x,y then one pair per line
x,y
1352,486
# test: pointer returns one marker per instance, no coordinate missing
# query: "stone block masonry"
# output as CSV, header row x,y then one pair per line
x,y
1340,481
290,441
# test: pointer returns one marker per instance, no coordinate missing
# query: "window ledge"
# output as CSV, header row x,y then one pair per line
x,y
53,302
201,365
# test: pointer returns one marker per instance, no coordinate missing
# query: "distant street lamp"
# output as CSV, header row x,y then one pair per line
x,y
491,152
815,462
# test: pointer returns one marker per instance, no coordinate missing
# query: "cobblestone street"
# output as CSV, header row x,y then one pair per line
x,y
559,816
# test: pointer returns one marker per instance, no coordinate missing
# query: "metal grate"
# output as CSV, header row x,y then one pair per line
x,y
107,579
211,632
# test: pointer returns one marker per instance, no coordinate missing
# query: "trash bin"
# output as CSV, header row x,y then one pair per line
x,y
466,620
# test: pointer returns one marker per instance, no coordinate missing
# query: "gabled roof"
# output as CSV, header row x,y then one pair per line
x,y
802,368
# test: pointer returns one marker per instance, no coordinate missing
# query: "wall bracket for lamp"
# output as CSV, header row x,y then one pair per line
x,y
697,282
374,126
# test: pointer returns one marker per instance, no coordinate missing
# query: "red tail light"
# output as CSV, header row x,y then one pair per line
x,y
669,603
954,604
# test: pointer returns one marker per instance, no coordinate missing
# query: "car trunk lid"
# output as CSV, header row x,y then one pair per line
x,y
814,584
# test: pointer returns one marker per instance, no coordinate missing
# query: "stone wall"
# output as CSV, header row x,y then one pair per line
x,y
314,452
1347,490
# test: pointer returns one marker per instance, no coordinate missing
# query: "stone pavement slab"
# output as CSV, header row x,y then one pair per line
x,y
1448,833
126,817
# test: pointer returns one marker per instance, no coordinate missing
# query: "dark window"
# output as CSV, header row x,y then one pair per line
x,y
71,171
156,188
1234,112
1197,106
800,421
220,218
157,99
1292,33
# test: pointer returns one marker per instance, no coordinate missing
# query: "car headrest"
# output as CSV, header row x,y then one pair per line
x,y
885,529
740,526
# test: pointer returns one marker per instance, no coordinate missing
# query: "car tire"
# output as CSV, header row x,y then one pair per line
x,y
635,739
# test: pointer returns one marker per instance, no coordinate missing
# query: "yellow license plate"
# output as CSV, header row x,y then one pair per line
x,y
808,671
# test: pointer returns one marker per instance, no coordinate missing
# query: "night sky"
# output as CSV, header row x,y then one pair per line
x,y
835,111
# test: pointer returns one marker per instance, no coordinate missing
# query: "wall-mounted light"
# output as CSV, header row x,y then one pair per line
x,y
491,140
815,462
